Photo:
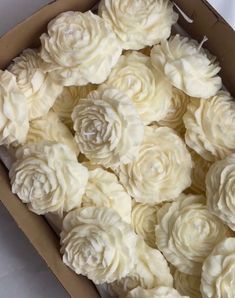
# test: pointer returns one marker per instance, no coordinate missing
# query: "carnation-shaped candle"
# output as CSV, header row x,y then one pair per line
x,y
218,271
220,190
104,190
39,89
48,178
163,159
50,128
187,233
187,66
108,128
176,110
14,123
151,270
139,23
187,284
210,126
161,292
97,243
144,220
148,89
79,48
67,101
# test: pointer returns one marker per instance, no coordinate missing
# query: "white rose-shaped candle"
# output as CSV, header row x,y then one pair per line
x,y
67,101
144,220
79,48
139,23
187,233
148,89
98,244
14,123
188,66
50,128
163,159
218,271
187,284
210,126
220,190
108,128
161,292
176,111
104,190
151,270
48,178
39,89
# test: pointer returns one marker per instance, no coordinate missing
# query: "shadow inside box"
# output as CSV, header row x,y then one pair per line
x,y
22,272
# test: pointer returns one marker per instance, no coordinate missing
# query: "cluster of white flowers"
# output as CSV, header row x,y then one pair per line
x,y
133,150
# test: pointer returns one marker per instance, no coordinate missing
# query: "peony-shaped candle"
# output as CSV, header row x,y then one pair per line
x,y
48,178
187,66
187,233
98,244
79,48
220,190
50,128
108,128
14,123
104,190
163,159
148,89
218,271
210,126
39,89
151,270
139,23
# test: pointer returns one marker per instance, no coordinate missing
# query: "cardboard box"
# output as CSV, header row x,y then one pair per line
x,y
221,42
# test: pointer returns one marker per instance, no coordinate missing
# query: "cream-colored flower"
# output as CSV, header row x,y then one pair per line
x,y
108,128
14,123
148,89
218,271
178,106
187,233
50,128
48,177
97,243
162,170
151,270
199,171
188,66
67,101
187,284
104,190
79,48
39,89
210,126
161,292
139,23
220,190
144,220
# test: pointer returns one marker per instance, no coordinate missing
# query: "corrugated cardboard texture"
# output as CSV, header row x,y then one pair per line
x,y
206,22
221,37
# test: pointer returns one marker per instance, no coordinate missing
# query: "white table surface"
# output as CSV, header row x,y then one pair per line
x,y
23,274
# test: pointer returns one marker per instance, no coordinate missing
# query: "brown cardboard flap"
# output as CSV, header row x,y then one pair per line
x,y
26,34
221,37
44,240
